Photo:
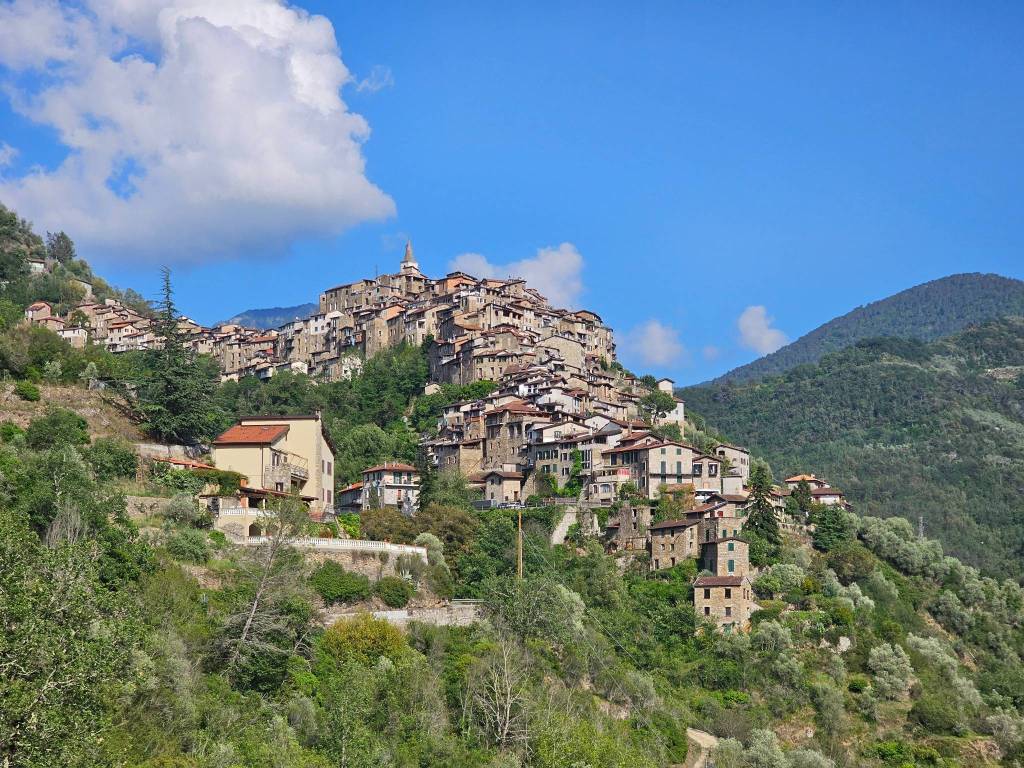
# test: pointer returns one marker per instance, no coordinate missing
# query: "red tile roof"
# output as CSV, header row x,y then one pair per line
x,y
396,465
252,434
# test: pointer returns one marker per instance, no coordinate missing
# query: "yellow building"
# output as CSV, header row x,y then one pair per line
x,y
282,454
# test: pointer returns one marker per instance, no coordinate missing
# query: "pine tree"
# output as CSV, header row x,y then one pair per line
x,y
175,395
761,519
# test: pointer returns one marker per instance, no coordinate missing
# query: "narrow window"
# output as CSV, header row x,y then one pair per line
x,y
707,594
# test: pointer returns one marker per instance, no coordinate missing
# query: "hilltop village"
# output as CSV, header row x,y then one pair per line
x,y
565,424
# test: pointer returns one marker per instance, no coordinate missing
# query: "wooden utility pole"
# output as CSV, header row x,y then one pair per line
x,y
519,546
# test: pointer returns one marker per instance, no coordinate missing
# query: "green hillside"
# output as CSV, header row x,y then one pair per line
x,y
928,312
905,428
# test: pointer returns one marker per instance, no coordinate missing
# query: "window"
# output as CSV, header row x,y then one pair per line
x,y
732,545
732,566
663,467
662,451
679,467
712,470
728,610
679,451
728,592
698,469
707,594
707,610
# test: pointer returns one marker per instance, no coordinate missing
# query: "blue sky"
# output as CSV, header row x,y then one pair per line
x,y
702,160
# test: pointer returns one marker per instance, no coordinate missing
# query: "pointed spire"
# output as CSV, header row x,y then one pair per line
x,y
409,264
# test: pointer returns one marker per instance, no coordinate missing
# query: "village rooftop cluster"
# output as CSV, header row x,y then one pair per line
x,y
565,424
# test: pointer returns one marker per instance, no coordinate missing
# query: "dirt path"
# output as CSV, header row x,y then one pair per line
x,y
701,744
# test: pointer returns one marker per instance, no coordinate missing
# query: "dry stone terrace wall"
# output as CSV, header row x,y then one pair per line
x,y
373,559
458,613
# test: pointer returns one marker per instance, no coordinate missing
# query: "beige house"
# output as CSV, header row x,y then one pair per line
x,y
652,463
738,459
283,454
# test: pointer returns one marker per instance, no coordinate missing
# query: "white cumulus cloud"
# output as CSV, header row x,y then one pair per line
x,y
756,330
557,272
652,343
194,128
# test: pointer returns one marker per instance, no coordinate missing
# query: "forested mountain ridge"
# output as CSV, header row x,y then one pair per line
x,y
905,428
928,311
272,317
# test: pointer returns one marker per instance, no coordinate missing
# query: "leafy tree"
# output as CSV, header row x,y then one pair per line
x,y
833,528
60,247
655,405
891,668
66,651
802,496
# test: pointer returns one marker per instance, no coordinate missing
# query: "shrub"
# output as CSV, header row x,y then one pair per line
x,y
182,508
857,684
936,713
336,585
26,390
10,431
59,425
112,458
176,479
395,592
364,639
188,545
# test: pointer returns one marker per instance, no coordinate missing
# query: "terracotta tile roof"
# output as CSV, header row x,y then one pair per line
x,y
396,465
719,581
252,434
505,475
827,491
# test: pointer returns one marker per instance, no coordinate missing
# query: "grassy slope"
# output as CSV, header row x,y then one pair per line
x,y
104,419
905,428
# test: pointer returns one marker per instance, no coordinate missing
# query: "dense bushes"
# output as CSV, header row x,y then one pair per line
x,y
336,585
59,425
393,591
112,458
26,390
189,545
